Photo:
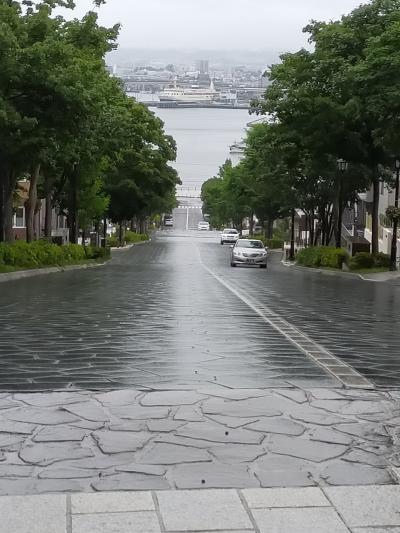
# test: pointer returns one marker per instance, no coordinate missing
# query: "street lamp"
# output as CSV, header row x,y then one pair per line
x,y
342,166
393,253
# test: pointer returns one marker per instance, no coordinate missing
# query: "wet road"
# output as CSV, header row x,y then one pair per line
x,y
156,318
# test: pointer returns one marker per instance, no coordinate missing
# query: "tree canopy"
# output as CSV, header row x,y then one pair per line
x,y
67,125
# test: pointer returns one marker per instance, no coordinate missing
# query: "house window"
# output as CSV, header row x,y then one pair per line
x,y
19,217
382,188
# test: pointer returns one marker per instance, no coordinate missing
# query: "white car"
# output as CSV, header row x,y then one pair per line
x,y
203,226
229,236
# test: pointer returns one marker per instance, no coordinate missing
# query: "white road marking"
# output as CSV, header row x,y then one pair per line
x,y
320,355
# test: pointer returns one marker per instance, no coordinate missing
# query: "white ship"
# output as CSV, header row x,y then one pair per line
x,y
191,95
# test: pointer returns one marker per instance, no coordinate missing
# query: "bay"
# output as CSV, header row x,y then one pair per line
x,y
203,138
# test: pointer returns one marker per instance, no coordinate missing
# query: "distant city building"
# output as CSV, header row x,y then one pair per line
x,y
202,66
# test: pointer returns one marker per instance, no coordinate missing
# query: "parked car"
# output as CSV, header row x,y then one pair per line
x,y
203,226
168,222
229,236
249,252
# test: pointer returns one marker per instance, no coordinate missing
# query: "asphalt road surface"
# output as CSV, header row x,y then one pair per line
x,y
169,313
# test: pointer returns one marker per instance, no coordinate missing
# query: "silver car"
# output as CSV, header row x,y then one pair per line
x,y
249,252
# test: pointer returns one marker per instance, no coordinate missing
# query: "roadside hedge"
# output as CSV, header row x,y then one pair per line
x,y
130,238
272,244
42,253
365,260
322,256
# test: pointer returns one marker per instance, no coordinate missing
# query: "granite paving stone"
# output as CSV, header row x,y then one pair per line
x,y
218,433
66,473
166,398
367,506
269,498
49,399
305,520
136,412
44,417
371,432
59,434
150,470
188,414
214,476
22,428
184,510
163,426
118,397
305,449
232,422
345,473
322,434
46,514
89,411
111,502
238,453
170,454
241,408
375,530
284,478
281,426
129,482
15,471
140,522
112,442
43,454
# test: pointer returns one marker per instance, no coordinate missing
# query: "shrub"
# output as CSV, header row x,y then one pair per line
x,y
382,260
364,260
113,241
43,253
131,237
273,244
324,256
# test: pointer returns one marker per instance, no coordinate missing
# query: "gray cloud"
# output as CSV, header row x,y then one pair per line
x,y
216,24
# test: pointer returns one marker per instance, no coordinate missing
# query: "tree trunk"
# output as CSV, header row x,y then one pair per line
x,y
73,207
270,228
121,243
375,214
2,206
30,204
48,219
8,184
251,224
8,218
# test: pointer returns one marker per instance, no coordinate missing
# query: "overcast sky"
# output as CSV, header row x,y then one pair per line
x,y
216,24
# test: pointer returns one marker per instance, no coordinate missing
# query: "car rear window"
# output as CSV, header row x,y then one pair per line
x,y
249,244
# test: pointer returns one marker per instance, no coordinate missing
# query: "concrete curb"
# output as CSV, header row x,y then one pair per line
x,y
384,277
22,274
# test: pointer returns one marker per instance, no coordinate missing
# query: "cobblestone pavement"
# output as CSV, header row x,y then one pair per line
x,y
355,320
153,318
307,510
209,438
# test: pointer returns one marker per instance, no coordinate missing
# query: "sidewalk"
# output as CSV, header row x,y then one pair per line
x,y
306,510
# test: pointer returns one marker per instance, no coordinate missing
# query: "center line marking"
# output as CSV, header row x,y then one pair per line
x,y
343,372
